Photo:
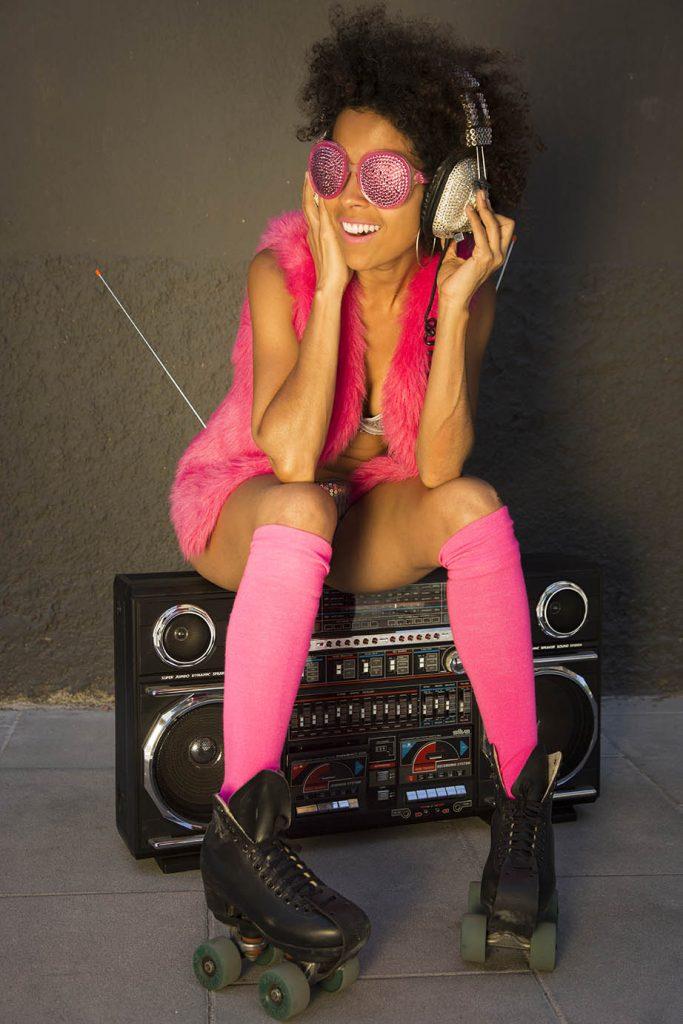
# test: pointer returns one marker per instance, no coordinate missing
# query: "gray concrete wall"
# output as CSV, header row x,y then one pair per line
x,y
154,140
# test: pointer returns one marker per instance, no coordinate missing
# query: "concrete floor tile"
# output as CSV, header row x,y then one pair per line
x,y
666,769
90,918
8,721
643,735
651,741
514,998
59,835
61,738
643,704
607,748
89,958
619,951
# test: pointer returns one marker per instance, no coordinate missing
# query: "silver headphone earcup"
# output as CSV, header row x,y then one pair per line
x,y
458,189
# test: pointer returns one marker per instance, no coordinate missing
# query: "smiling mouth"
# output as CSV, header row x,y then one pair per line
x,y
358,236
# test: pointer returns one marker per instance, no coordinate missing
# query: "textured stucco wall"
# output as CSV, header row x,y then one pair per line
x,y
155,140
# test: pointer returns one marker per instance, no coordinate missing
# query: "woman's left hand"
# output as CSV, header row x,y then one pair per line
x,y
458,279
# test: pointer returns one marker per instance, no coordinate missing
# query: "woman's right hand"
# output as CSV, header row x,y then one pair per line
x,y
331,269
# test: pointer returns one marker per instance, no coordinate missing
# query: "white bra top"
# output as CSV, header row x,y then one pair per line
x,y
372,424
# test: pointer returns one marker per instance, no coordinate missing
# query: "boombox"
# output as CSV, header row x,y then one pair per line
x,y
385,729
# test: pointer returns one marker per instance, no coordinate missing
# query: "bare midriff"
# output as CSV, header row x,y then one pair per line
x,y
361,448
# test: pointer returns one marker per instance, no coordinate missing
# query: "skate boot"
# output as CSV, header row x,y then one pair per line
x,y
278,912
516,903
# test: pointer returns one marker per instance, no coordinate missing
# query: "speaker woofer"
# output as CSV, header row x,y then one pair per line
x,y
184,760
567,716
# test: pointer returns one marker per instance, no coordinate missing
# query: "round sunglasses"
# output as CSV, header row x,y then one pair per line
x,y
385,178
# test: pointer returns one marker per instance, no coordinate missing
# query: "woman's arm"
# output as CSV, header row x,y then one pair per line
x,y
294,381
446,432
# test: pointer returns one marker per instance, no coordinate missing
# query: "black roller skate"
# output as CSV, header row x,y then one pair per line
x,y
279,913
516,904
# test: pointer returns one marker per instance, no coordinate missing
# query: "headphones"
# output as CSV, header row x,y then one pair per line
x,y
456,179
453,186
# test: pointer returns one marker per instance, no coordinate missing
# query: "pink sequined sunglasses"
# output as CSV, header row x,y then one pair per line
x,y
385,178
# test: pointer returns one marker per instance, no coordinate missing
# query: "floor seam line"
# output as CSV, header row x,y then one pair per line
x,y
669,799
10,734
550,999
199,892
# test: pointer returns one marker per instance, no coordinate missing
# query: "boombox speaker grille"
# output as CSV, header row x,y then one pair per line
x,y
188,761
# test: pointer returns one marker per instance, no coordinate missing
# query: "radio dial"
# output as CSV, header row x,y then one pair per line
x,y
451,662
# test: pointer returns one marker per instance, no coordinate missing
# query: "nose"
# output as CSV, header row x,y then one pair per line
x,y
351,188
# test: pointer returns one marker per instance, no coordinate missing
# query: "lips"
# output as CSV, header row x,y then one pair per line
x,y
361,236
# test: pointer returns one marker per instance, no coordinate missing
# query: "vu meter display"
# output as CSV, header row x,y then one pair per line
x,y
318,776
434,758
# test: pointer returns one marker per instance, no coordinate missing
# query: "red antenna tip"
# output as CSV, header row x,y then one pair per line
x,y
98,272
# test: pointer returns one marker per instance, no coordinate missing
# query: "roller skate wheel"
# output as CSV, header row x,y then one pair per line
x,y
344,976
474,898
217,963
473,938
284,991
543,947
270,955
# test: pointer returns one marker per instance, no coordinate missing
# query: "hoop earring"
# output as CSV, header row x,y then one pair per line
x,y
417,254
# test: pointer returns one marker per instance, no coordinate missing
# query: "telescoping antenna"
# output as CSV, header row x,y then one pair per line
x,y
169,375
505,261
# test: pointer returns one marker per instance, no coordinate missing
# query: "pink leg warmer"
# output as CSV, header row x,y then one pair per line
x,y
489,615
267,643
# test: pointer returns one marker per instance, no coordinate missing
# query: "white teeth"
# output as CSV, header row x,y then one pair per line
x,y
359,229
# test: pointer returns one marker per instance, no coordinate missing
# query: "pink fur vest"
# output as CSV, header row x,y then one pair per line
x,y
223,454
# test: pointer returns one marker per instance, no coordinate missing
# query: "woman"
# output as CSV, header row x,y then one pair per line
x,y
364,497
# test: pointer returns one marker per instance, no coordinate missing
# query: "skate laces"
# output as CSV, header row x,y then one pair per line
x,y
522,817
286,874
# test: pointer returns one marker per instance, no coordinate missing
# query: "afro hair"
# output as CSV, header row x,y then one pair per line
x,y
405,69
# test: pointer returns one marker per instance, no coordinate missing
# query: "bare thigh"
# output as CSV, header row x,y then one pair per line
x,y
261,499
392,535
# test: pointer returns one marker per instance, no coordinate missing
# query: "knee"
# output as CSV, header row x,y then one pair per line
x,y
462,500
304,505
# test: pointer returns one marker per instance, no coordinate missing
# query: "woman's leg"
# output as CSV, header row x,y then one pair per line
x,y
488,610
252,878
271,545
270,626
